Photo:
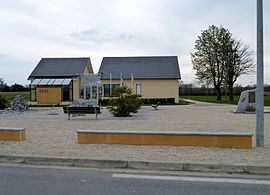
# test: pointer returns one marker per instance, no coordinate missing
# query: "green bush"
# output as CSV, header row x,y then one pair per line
x,y
124,102
3,102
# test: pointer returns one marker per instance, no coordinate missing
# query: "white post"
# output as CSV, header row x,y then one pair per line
x,y
97,86
121,77
91,91
260,78
110,84
131,81
84,92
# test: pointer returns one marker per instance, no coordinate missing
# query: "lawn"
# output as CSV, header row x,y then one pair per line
x,y
224,99
11,95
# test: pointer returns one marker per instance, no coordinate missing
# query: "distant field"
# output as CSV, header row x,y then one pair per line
x,y
11,95
224,99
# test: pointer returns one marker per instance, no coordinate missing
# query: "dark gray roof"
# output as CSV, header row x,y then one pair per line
x,y
60,67
152,67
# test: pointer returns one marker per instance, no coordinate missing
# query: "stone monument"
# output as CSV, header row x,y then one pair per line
x,y
247,102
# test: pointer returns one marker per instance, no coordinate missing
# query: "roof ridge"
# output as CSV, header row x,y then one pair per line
x,y
66,58
137,56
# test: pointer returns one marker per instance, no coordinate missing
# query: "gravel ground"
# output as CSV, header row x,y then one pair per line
x,y
54,135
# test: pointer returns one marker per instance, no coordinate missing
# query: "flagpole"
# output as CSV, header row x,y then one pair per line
x,y
110,84
131,82
121,77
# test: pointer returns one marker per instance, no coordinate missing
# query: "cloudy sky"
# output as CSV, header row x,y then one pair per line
x,y
32,29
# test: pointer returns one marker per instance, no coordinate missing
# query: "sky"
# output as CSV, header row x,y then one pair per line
x,y
31,30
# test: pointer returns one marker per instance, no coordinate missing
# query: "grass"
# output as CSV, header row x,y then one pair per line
x,y
11,95
224,99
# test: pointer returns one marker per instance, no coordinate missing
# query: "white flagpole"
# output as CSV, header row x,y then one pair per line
x,y
110,84
131,82
121,77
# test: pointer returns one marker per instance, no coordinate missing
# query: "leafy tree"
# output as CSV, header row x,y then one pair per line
x,y
208,59
2,84
123,102
220,59
17,87
3,102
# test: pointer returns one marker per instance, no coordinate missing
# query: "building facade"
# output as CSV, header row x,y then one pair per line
x,y
61,80
151,77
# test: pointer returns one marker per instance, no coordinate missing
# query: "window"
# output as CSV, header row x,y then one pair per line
x,y
33,93
67,92
139,89
107,90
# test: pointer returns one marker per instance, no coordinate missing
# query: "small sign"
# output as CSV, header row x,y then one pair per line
x,y
43,91
251,97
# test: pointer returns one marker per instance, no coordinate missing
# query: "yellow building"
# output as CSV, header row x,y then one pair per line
x,y
154,77
58,80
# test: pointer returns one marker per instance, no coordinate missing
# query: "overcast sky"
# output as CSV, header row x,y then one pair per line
x,y
32,29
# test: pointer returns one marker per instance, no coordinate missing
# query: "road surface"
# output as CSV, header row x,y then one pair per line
x,y
52,180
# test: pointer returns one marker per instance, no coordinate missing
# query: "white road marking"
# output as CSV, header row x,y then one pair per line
x,y
193,179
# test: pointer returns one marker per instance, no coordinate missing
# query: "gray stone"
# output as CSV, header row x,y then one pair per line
x,y
18,104
246,101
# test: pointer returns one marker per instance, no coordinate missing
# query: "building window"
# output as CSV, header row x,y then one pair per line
x,y
139,89
66,92
33,93
107,90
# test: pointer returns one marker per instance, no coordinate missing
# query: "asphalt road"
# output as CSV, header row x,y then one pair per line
x,y
46,180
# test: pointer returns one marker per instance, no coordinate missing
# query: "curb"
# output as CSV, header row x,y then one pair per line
x,y
140,165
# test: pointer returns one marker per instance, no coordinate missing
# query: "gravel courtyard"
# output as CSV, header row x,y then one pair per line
x,y
54,135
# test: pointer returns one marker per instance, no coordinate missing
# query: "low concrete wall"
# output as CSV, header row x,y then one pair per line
x,y
12,134
166,138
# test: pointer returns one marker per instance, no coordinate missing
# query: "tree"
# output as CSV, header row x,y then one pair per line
x,y
3,102
208,58
124,101
239,61
2,84
17,88
220,59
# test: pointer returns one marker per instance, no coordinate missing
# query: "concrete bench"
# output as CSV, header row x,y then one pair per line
x,y
81,110
12,134
166,138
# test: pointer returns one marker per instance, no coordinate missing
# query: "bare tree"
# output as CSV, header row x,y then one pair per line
x,y
239,61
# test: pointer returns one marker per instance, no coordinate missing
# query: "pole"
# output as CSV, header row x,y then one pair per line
x,y
260,78
110,84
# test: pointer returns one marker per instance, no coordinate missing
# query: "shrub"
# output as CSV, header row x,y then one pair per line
x,y
123,102
3,102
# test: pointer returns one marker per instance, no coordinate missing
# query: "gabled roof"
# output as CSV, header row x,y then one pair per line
x,y
152,67
60,67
